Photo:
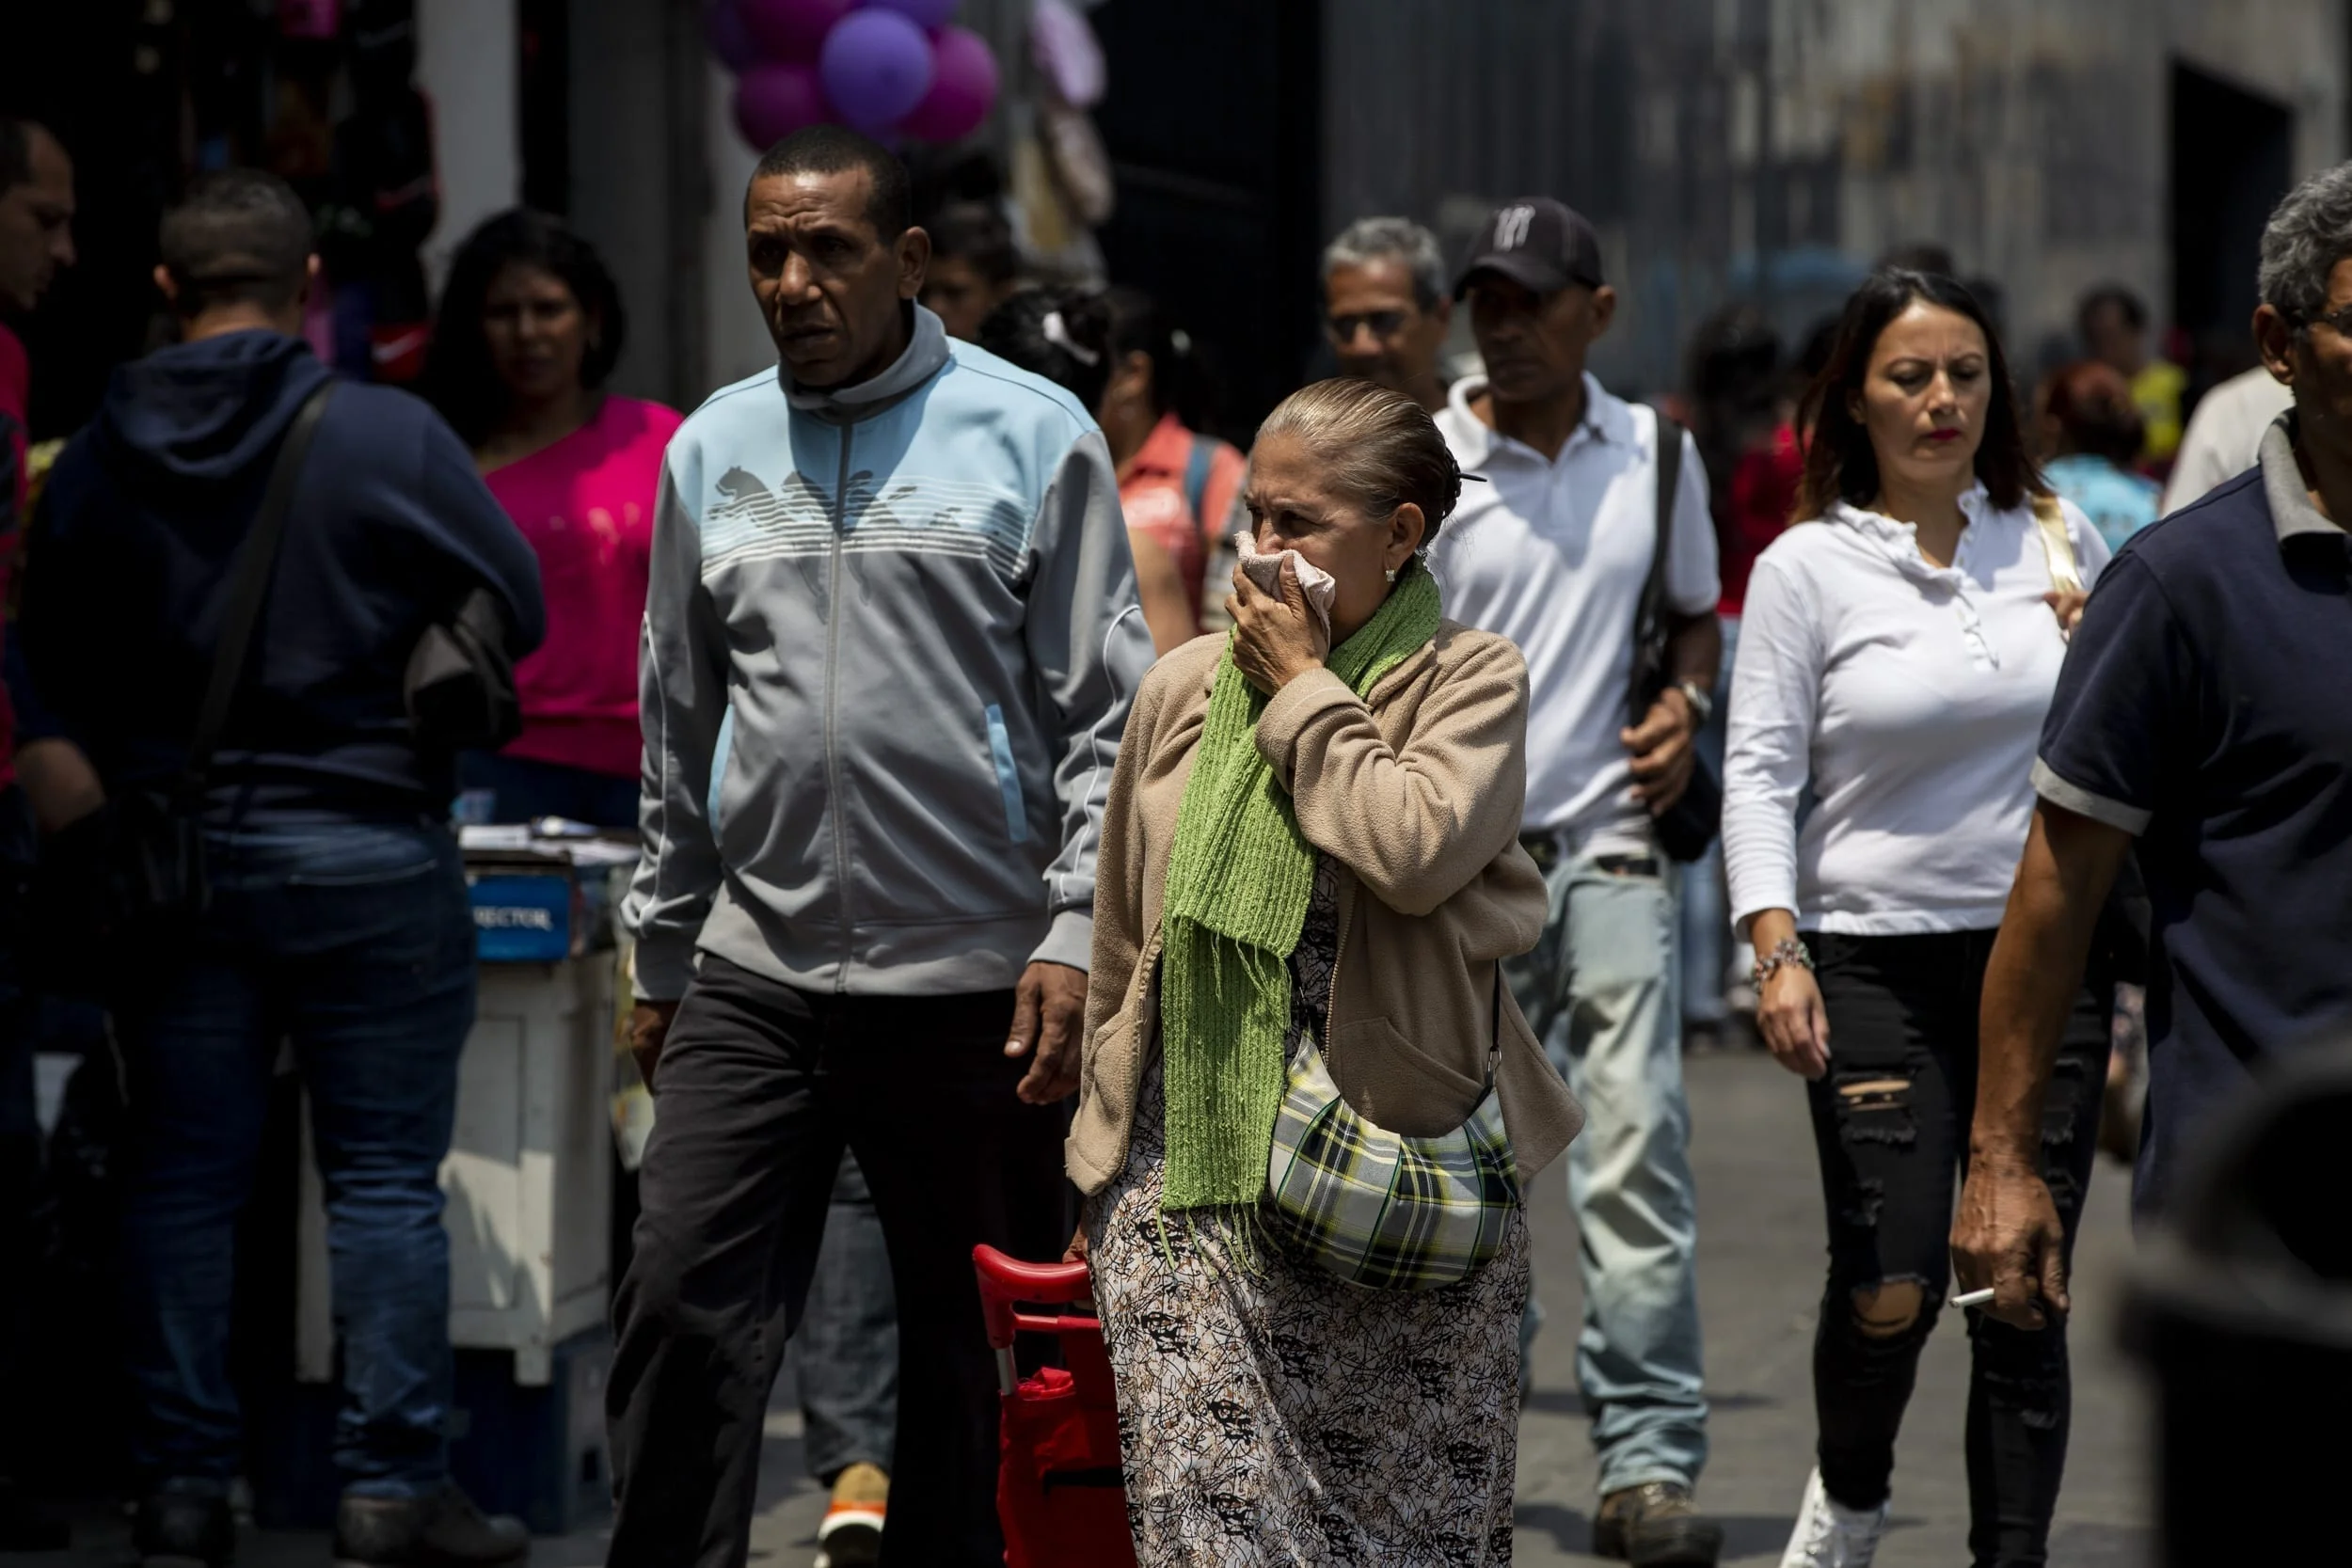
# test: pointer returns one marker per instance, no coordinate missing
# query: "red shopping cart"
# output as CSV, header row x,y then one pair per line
x,y
1058,1490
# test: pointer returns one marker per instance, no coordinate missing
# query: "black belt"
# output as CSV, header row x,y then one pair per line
x,y
1544,849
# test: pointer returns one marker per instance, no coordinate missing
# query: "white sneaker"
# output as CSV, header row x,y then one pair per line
x,y
1829,1535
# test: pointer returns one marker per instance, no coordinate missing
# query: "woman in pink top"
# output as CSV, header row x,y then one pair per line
x,y
530,327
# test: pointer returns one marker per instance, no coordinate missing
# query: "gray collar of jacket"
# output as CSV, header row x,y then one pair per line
x,y
926,353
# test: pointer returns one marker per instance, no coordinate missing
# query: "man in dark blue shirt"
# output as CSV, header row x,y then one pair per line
x,y
2203,712
339,917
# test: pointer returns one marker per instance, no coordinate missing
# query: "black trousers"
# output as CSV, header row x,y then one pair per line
x,y
760,1087
1891,1123
24,1221
23,1233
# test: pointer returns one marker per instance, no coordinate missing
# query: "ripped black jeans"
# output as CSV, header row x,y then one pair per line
x,y
1891,1122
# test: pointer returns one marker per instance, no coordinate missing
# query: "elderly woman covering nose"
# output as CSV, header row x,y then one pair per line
x,y
1307,1106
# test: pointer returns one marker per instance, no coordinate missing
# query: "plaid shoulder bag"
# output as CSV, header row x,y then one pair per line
x,y
1381,1209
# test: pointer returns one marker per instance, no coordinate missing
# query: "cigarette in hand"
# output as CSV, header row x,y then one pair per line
x,y
1973,1298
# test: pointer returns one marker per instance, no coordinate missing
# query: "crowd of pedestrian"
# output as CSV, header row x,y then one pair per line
x,y
1247,873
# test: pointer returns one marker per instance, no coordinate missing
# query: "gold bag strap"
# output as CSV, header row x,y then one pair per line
x,y
2064,575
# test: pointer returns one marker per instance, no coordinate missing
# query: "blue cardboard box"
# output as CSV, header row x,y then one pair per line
x,y
525,917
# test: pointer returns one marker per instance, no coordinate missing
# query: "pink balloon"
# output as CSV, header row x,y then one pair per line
x,y
877,66
930,15
316,19
774,100
791,30
964,88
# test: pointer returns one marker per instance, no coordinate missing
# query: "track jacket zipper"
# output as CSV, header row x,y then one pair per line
x,y
833,701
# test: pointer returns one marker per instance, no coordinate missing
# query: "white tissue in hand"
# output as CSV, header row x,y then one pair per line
x,y
1266,572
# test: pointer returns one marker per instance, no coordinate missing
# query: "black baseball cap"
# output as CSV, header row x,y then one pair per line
x,y
1541,243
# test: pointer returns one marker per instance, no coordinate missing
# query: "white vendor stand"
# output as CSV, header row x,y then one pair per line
x,y
529,1175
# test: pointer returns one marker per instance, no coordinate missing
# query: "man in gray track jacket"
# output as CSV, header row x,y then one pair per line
x,y
890,644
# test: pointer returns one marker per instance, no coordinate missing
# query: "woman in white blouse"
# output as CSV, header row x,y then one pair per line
x,y
1899,653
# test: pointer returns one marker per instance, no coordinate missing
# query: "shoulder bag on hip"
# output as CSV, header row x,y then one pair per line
x,y
460,683
1688,826
1380,1210
147,882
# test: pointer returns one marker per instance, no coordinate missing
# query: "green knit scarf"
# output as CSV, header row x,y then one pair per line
x,y
1239,879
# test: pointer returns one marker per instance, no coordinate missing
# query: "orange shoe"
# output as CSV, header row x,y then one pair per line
x,y
850,1537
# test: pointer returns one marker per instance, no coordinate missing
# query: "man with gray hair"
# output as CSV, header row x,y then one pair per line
x,y
1386,309
2200,722
1386,306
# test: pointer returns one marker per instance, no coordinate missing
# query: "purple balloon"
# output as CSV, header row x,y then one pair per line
x,y
773,100
791,30
964,88
730,40
930,15
877,66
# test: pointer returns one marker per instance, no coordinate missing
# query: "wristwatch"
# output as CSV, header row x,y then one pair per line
x,y
1701,700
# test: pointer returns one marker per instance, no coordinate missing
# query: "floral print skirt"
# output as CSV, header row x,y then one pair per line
x,y
1271,1414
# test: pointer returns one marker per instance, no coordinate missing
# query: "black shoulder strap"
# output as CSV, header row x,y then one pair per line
x,y
1649,621
1494,1051
250,586
1669,479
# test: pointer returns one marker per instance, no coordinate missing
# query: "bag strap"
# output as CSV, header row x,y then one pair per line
x,y
1494,1052
255,561
1198,464
2065,576
1649,620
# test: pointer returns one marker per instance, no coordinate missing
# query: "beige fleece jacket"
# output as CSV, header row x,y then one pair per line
x,y
1417,795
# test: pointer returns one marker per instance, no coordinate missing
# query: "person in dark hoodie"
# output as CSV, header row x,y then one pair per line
x,y
338,914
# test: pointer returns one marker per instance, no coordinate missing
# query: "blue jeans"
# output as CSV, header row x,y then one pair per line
x,y
356,942
1707,939
845,1353
1601,991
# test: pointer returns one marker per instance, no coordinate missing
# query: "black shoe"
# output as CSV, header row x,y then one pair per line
x,y
25,1527
441,1529
175,1530
1656,1524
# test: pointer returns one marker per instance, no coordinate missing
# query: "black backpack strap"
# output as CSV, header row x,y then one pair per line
x,y
1649,621
1199,461
256,560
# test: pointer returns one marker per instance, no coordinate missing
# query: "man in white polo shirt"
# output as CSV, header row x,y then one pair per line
x,y
1553,552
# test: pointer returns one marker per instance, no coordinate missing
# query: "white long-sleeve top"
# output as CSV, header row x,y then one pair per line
x,y
1910,698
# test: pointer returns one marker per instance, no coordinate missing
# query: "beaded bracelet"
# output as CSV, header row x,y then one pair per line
x,y
1788,951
